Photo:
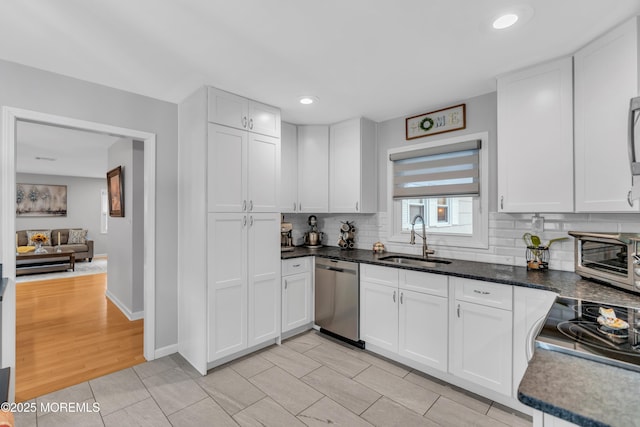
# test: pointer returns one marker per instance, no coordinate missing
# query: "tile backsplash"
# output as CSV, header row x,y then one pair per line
x,y
505,234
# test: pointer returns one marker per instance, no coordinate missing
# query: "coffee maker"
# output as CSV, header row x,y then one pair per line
x,y
286,239
313,237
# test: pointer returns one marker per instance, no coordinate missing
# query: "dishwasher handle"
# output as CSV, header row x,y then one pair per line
x,y
339,270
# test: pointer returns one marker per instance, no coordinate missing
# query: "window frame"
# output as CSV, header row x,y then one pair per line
x,y
479,239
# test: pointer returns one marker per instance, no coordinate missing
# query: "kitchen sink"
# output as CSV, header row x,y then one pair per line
x,y
414,261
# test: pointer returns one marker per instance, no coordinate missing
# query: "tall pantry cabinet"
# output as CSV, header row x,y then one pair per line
x,y
228,214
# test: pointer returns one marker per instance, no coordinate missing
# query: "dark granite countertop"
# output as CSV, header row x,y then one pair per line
x,y
566,284
581,391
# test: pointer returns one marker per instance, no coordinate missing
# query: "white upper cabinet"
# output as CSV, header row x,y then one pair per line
x,y
241,113
227,169
606,78
263,173
352,167
535,139
313,169
289,169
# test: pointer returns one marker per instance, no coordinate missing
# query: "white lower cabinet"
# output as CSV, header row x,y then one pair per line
x,y
481,331
243,292
379,314
404,321
423,328
297,293
540,419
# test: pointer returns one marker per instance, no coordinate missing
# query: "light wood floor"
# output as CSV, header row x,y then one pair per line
x,y
68,332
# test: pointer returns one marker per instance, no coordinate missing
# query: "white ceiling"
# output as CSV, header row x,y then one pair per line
x,y
68,152
377,58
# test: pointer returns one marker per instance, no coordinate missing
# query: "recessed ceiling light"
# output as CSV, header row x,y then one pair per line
x,y
307,99
505,21
48,159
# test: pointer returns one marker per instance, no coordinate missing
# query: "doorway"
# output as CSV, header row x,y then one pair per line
x,y
10,118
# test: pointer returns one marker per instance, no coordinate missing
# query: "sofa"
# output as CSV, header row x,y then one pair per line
x,y
82,251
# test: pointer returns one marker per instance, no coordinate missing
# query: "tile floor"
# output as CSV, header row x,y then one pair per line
x,y
309,380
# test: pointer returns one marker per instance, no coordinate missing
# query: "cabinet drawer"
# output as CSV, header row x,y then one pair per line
x,y
484,293
382,275
296,265
427,283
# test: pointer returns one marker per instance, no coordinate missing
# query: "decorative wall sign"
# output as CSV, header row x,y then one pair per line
x,y
41,200
115,189
435,122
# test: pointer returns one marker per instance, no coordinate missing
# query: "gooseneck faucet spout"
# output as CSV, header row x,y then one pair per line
x,y
425,250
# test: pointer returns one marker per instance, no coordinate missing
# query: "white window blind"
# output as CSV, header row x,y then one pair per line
x,y
447,170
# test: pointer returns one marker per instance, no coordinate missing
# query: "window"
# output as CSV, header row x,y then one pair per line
x,y
454,204
104,211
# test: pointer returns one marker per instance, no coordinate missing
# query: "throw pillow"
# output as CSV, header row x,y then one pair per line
x,y
77,237
47,233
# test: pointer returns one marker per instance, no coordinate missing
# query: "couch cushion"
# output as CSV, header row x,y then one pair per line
x,y
77,237
47,233
22,238
76,248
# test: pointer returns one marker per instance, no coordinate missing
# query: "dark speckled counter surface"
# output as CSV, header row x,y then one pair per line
x,y
569,387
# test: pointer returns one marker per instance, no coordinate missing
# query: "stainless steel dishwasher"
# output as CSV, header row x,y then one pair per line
x,y
337,299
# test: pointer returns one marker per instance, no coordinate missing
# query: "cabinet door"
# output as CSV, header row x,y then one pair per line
x,y
344,167
228,109
606,78
313,169
423,328
227,284
263,173
264,119
289,169
535,139
296,301
264,277
379,315
481,345
226,171
530,309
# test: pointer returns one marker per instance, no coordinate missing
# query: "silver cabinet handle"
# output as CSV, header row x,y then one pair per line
x,y
356,206
294,206
629,198
250,205
251,221
401,293
250,123
501,202
482,292
244,221
299,207
458,310
394,296
244,121
285,284
296,265
244,205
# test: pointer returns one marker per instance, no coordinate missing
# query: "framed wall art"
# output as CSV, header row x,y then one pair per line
x,y
435,122
41,200
115,189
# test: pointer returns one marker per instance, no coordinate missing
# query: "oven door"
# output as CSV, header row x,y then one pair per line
x,y
604,259
572,327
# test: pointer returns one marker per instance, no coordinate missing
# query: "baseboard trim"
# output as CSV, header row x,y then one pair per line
x,y
165,351
136,315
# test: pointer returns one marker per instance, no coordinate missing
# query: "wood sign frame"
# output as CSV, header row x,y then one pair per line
x,y
115,189
435,122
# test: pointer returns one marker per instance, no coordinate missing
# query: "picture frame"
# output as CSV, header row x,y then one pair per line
x,y
41,200
115,190
435,122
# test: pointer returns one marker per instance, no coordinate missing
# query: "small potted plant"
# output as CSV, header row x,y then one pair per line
x,y
537,253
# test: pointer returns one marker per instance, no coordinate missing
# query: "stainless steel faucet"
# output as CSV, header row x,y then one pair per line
x,y
425,250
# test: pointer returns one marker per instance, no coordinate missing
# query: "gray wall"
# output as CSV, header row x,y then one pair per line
x,y
126,234
83,207
33,89
481,116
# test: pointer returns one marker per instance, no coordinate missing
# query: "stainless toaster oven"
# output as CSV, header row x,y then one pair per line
x,y
611,258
